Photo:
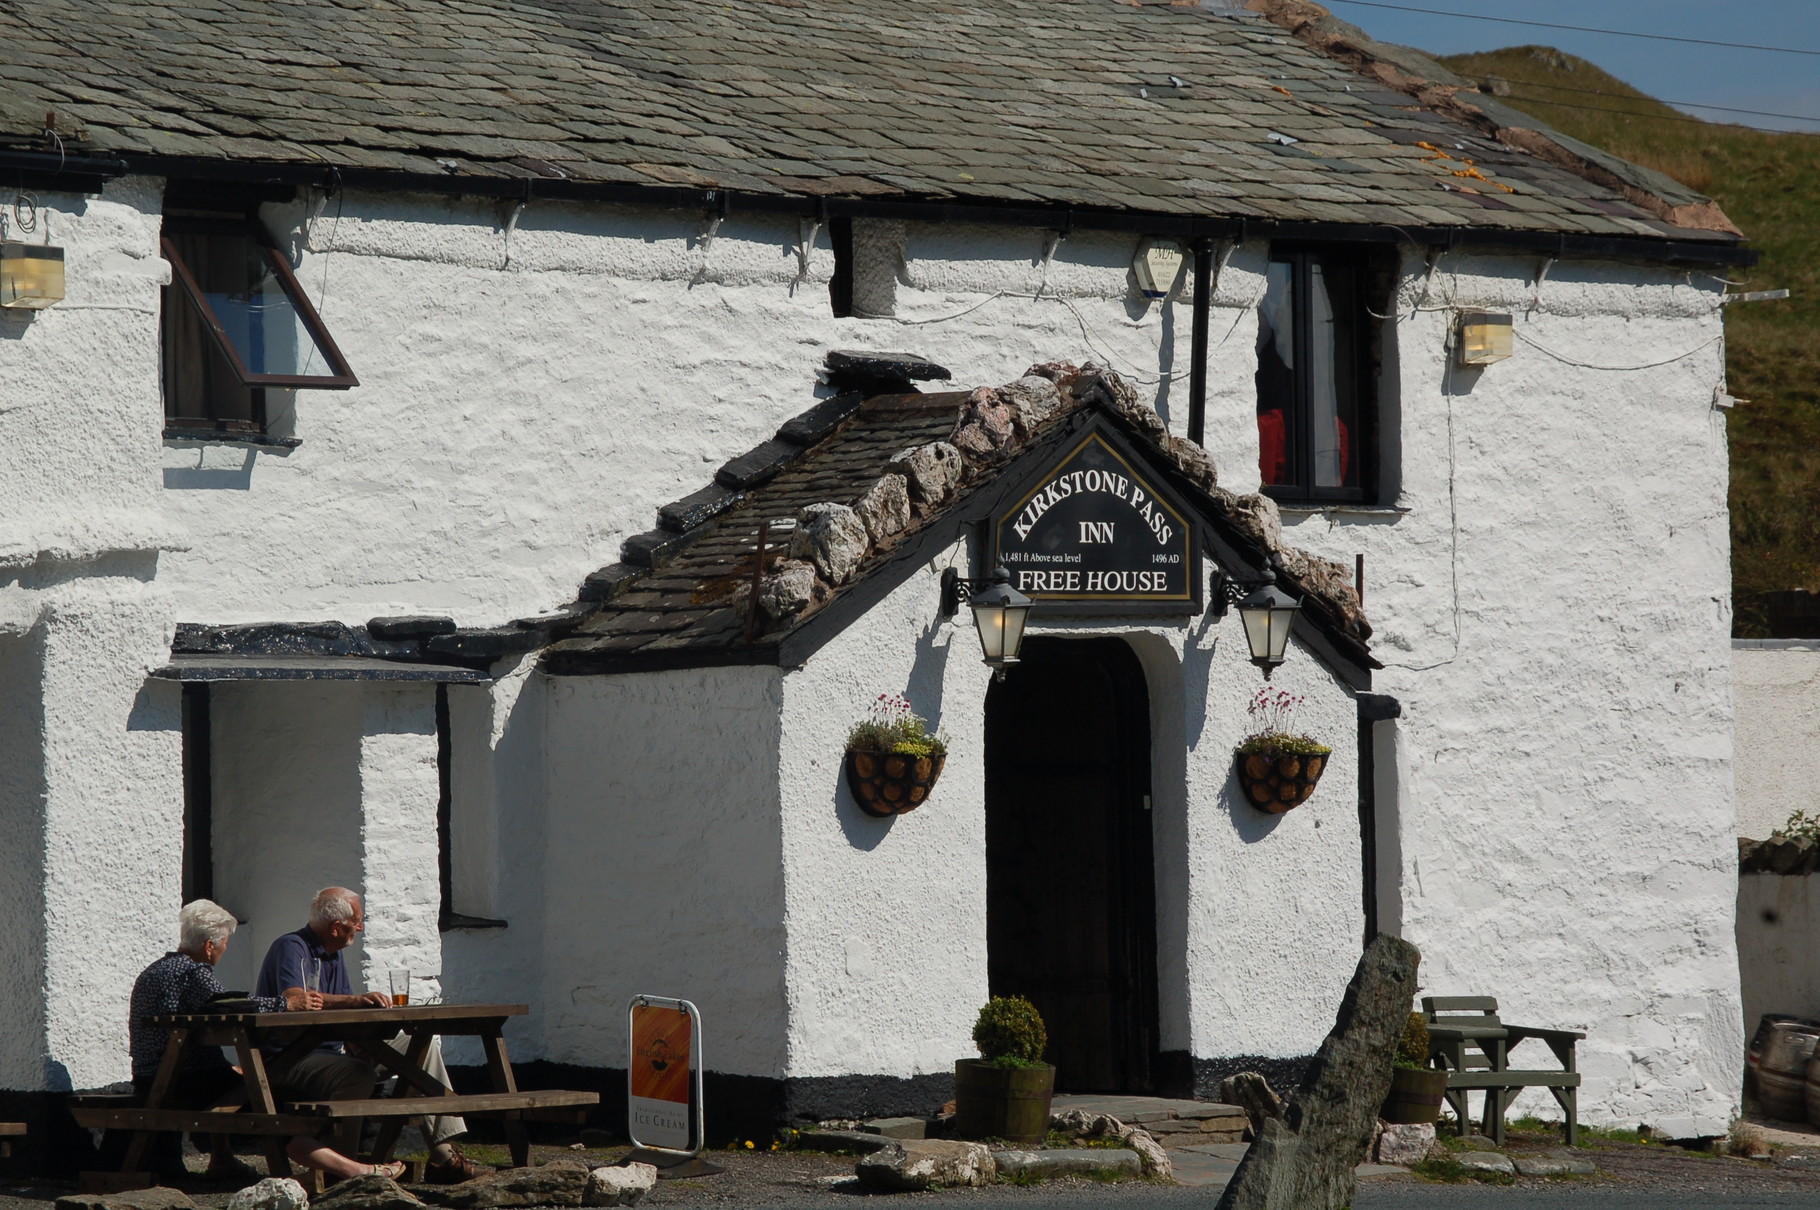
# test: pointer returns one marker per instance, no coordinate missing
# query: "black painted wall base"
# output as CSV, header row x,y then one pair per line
x,y
739,1107
1285,1075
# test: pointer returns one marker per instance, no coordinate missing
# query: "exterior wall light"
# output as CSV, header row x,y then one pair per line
x,y
31,275
1267,612
1157,265
1485,337
999,614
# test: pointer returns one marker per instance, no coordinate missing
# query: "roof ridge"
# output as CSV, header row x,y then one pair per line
x,y
1414,73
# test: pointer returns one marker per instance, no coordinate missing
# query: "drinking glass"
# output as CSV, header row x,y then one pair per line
x,y
312,974
401,988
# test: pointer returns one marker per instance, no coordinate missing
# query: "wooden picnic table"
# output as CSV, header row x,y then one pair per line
x,y
366,1033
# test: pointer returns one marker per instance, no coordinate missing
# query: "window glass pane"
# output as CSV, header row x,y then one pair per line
x,y
199,382
1276,374
1333,388
237,276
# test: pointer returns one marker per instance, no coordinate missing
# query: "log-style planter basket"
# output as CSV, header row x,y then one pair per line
x,y
1278,781
891,783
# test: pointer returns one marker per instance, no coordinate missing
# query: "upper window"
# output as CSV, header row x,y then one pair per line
x,y
236,323
1315,438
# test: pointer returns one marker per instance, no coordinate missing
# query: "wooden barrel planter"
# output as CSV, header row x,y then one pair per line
x,y
891,783
1010,1103
1278,781
1415,1096
1783,1069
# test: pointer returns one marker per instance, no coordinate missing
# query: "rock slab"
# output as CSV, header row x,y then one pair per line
x,y
1306,1159
554,1184
624,1185
368,1193
273,1193
1486,1161
842,1140
1405,1144
1553,1165
1056,1162
896,1128
132,1199
915,1164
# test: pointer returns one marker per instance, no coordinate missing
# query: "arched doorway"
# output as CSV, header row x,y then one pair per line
x,y
1070,887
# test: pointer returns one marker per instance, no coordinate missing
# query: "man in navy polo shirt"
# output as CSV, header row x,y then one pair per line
x,y
337,916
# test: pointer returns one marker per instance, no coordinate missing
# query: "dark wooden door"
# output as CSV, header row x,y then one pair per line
x,y
1070,890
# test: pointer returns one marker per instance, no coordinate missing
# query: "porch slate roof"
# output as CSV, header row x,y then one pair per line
x,y
679,602
1147,106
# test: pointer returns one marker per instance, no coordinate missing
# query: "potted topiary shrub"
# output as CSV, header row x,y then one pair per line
x,y
1005,1093
1277,767
892,759
1416,1090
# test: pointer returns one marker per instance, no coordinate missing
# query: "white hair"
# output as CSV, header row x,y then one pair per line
x,y
332,905
202,921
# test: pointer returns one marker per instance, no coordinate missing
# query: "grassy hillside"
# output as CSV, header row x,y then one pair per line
x,y
1769,184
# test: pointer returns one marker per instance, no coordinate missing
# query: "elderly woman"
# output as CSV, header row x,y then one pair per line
x,y
184,982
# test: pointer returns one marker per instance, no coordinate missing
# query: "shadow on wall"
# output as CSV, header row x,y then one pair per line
x,y
211,478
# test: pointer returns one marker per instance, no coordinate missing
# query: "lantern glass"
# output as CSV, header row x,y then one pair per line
x,y
999,614
1485,338
31,275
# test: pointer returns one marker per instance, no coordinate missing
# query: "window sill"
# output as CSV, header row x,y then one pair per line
x,y
225,437
451,922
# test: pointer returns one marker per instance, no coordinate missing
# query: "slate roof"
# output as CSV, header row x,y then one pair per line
x,y
681,604
1146,106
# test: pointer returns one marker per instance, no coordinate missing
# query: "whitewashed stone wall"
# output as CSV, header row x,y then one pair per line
x,y
1776,684
887,954
1550,594
1552,602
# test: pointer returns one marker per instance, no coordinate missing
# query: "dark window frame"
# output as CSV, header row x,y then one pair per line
x,y
341,379
1365,335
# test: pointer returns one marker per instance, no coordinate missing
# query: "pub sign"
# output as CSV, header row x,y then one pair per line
x,y
1097,536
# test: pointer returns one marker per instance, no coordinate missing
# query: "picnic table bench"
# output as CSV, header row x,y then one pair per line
x,y
365,1032
1468,1040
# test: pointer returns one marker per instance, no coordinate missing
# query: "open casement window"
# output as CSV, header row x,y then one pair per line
x,y
235,323
1316,431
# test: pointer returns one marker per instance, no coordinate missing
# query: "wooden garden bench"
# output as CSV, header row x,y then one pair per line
x,y
1467,1039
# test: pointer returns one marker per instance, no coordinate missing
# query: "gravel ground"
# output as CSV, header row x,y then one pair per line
x,y
1631,1174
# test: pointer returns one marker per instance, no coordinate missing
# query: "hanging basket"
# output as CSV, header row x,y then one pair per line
x,y
1277,781
891,783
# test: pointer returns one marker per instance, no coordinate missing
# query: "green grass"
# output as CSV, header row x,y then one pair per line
x,y
1769,185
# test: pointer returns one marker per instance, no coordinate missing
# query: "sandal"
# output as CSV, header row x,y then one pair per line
x,y
459,1168
394,1170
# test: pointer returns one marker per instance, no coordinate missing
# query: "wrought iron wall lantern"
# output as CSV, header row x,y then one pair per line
x,y
999,614
1267,612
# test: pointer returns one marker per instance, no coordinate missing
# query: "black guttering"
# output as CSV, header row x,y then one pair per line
x,y
1669,250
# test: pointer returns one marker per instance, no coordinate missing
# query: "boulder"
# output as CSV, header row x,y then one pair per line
x,y
156,1198
1150,1153
1305,1160
1033,401
554,1184
1256,516
1053,1162
1405,1144
1553,1164
367,1193
625,1185
1251,1092
885,508
273,1193
984,427
916,1164
1084,1123
833,538
1486,1161
932,471
787,590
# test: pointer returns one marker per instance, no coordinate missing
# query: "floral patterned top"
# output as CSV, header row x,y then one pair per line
x,y
176,983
